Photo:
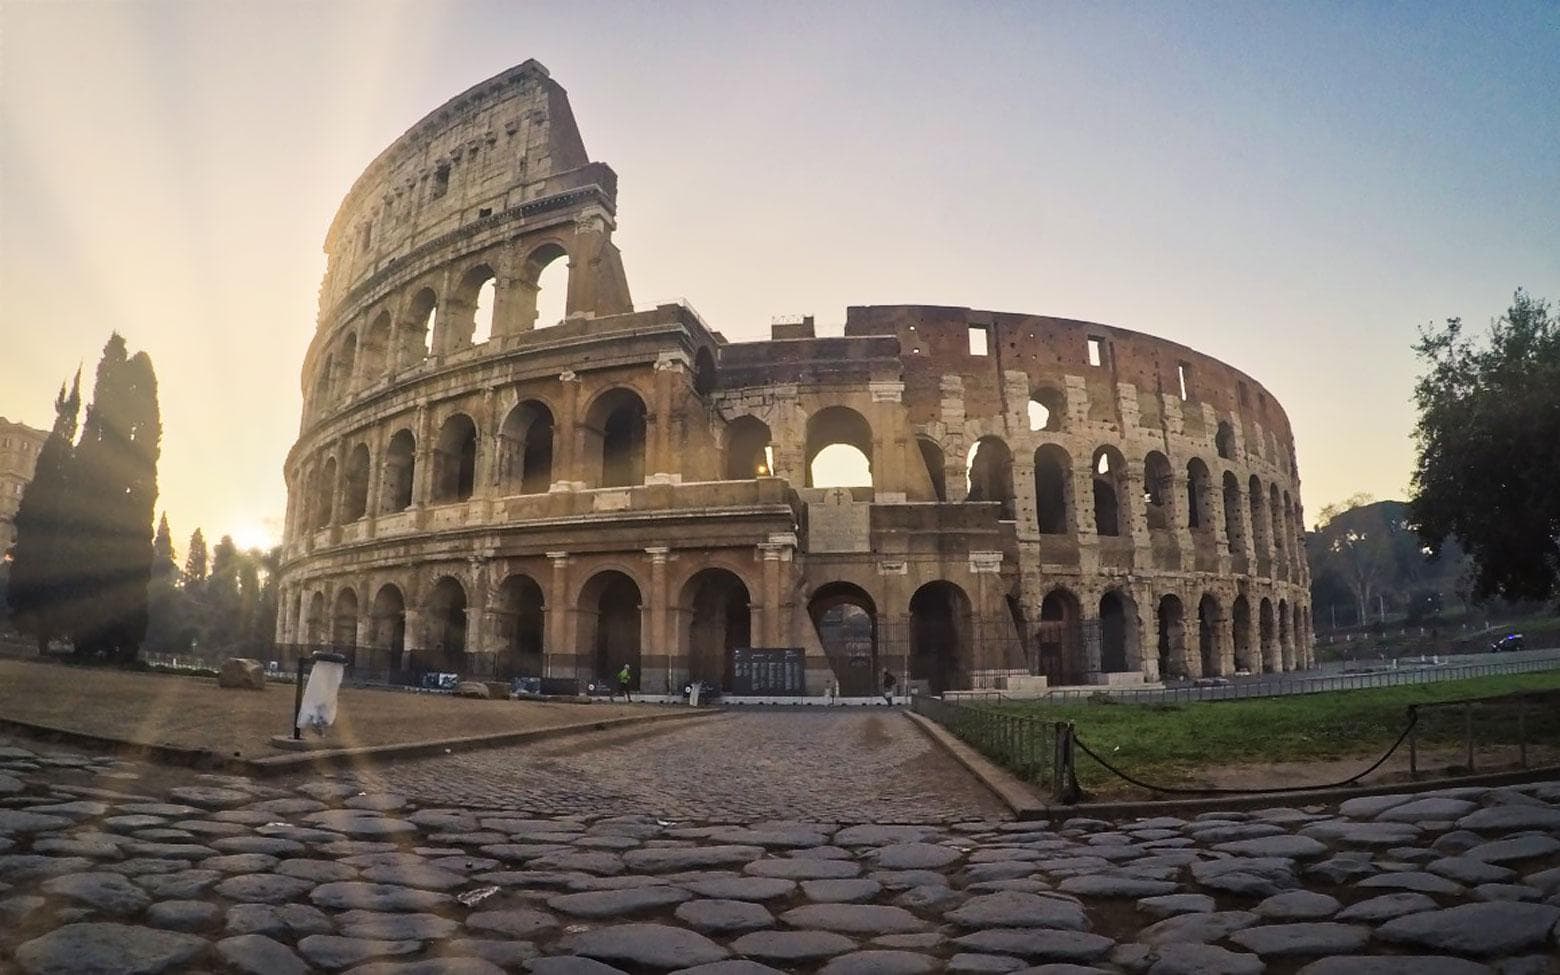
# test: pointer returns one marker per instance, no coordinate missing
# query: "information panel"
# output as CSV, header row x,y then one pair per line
x,y
768,672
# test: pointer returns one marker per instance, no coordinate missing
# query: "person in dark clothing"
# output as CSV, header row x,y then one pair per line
x,y
888,686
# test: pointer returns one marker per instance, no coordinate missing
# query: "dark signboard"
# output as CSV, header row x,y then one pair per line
x,y
768,672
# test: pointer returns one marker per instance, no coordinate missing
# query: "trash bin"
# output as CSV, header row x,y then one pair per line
x,y
317,705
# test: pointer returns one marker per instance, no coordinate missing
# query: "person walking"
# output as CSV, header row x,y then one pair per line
x,y
624,676
888,687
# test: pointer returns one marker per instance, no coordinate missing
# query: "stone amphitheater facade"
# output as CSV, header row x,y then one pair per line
x,y
1023,497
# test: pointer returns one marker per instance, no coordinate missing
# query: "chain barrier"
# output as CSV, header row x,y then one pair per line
x,y
1073,739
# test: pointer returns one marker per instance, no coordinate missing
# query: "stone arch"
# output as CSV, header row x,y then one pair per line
x,y
609,626
989,474
1110,491
354,492
322,382
1296,636
1234,526
520,618
615,425
1210,640
1286,644
547,275
346,362
525,449
1276,512
1259,520
1224,440
1047,409
1053,490
1199,496
716,618
388,622
315,624
455,459
1240,628
839,430
1171,618
1158,488
417,329
344,617
845,618
1267,631
376,351
1059,638
399,466
941,637
445,615
936,466
1118,633
325,494
747,449
470,315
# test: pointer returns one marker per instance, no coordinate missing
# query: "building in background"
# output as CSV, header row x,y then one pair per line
x,y
19,446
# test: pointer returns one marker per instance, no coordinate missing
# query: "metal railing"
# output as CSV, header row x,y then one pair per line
x,y
1024,745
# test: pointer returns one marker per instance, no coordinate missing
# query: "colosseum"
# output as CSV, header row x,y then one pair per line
x,y
967,499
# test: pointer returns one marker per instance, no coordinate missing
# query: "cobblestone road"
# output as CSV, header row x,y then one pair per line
x,y
109,867
845,765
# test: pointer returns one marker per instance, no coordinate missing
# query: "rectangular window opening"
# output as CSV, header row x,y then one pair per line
x,y
441,181
1180,376
980,340
1096,351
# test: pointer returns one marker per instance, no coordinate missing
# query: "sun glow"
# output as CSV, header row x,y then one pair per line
x,y
253,535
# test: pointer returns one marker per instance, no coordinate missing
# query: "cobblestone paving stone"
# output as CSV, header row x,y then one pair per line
x,y
843,765
112,867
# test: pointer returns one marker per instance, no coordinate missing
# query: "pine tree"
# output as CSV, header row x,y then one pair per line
x,y
113,498
195,563
39,586
165,564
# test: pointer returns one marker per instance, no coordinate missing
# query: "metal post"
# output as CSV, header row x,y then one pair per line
x,y
1413,742
1468,729
1522,731
298,701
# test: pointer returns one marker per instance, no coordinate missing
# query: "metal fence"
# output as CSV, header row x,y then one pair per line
x,y
1277,686
1024,745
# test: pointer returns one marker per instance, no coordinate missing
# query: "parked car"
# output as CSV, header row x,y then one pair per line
x,y
1511,641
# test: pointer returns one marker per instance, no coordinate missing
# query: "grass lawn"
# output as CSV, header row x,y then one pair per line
x,y
192,712
1177,743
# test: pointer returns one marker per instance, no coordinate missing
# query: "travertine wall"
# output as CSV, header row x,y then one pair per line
x,y
19,446
629,486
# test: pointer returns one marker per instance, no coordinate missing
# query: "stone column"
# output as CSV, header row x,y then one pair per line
x,y
662,465
770,632
376,479
888,441
1224,635
567,475
559,654
658,656
422,463
514,305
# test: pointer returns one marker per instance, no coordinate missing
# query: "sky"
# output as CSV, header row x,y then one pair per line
x,y
1293,188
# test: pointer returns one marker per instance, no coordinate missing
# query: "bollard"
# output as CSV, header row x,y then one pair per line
x,y
298,702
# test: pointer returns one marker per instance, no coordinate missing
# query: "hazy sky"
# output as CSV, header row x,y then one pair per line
x,y
1292,188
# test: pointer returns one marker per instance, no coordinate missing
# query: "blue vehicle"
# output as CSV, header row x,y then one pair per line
x,y
1511,641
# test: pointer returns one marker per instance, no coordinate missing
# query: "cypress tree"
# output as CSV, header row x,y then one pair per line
x,y
40,583
114,497
223,594
165,564
166,626
195,563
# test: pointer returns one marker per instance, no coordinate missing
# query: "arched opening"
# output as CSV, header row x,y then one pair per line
x,y
389,625
526,449
1291,539
315,624
1118,633
989,472
548,270
400,461
377,360
455,459
1059,639
1286,643
717,618
1172,637
704,372
1199,496
845,618
1053,488
520,616
609,626
1241,630
354,495
346,362
446,616
1298,638
1047,408
839,448
1234,528
1224,440
615,434
1110,481
1209,648
1158,483
1279,536
1259,519
747,449
418,333
940,636
343,629
1272,663
936,466
322,383
479,292
325,494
